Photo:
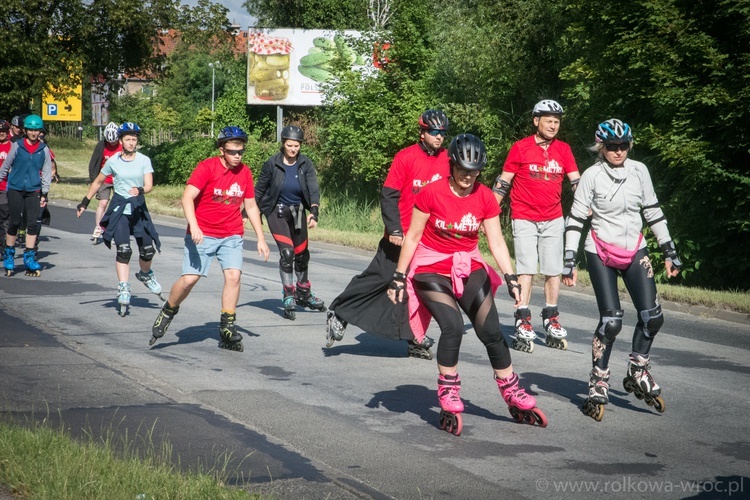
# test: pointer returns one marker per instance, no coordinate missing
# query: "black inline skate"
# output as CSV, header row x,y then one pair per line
x,y
304,297
290,306
163,320
555,333
640,382
598,398
525,334
421,349
230,339
335,328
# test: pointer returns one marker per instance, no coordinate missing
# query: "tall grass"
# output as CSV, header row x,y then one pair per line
x,y
39,462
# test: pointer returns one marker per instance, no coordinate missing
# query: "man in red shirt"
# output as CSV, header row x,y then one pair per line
x,y
535,168
364,302
4,150
216,192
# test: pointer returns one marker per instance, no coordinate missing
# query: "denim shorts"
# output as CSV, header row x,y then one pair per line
x,y
539,242
198,258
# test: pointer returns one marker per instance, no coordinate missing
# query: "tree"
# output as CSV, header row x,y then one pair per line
x,y
310,14
55,42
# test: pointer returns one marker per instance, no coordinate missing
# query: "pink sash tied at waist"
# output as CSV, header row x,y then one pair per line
x,y
419,316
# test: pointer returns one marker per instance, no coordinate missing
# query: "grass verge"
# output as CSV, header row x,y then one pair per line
x,y
43,463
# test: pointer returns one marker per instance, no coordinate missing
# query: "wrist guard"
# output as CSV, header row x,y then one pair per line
x,y
397,232
512,281
398,282
569,263
501,187
314,211
84,203
670,254
140,191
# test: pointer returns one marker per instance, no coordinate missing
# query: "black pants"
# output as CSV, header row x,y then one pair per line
x,y
639,280
4,216
436,294
20,202
364,302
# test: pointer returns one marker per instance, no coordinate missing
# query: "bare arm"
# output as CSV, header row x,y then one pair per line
x,y
188,208
253,214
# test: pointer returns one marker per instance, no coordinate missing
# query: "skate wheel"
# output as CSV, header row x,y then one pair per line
x,y
563,345
529,418
659,404
628,385
515,414
8,273
541,418
292,315
152,341
458,425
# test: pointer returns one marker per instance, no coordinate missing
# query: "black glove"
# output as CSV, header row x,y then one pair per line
x,y
398,284
512,281
670,254
314,212
84,204
569,263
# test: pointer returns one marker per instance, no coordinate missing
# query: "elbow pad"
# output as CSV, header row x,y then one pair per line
x,y
501,187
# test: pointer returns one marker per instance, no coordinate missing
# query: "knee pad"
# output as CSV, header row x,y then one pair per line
x,y
610,324
652,320
287,260
147,253
123,253
301,260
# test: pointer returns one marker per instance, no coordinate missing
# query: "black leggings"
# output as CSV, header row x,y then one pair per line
x,y
20,202
290,238
436,294
639,280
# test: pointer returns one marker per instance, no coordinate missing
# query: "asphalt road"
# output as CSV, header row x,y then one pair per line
x,y
291,418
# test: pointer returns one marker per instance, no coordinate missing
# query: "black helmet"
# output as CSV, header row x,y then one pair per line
x,y
4,126
434,119
292,132
468,151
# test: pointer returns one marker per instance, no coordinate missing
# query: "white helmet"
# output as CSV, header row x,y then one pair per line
x,y
547,107
110,132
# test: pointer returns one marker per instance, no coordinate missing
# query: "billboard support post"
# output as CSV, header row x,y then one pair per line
x,y
279,122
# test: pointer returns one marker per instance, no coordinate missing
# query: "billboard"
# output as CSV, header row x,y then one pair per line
x,y
68,109
287,66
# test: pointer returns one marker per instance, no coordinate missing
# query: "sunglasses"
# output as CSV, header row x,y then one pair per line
x,y
624,146
234,152
435,133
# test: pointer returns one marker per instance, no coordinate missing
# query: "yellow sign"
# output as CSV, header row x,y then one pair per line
x,y
68,109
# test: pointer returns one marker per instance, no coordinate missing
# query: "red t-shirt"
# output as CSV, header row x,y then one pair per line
x,y
31,148
537,186
109,152
4,150
454,221
222,194
411,170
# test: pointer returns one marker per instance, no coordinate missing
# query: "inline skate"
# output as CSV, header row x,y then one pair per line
x,y
555,333
163,320
33,268
9,260
522,406
21,238
421,349
525,334
229,337
96,236
148,279
335,328
304,297
594,405
451,405
640,382
290,306
123,298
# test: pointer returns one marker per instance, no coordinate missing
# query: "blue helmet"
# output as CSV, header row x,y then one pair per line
x,y
613,130
33,122
468,151
231,133
128,128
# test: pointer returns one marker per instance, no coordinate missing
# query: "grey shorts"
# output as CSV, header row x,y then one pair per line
x,y
197,259
104,192
539,243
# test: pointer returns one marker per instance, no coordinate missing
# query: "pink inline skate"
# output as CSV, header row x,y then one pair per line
x,y
521,405
450,403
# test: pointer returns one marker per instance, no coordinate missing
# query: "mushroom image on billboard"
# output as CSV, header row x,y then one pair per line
x,y
287,66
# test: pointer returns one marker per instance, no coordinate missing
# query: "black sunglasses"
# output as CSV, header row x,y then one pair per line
x,y
234,152
623,146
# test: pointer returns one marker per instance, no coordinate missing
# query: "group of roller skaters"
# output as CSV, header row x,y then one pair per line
x,y
427,264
